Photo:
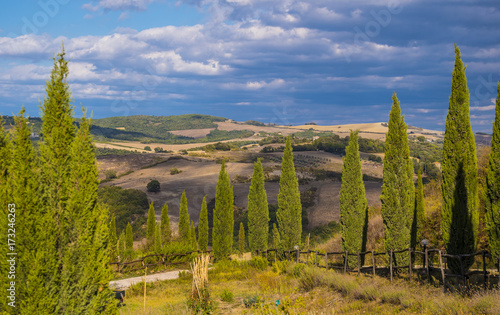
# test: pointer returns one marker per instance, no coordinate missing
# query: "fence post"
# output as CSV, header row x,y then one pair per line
x,y
410,267
326,260
345,261
390,264
373,262
359,264
442,269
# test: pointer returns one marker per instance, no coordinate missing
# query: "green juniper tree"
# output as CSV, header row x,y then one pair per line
x,y
192,237
276,236
353,203
184,221
492,213
223,216
289,214
5,160
459,214
157,240
129,238
398,189
151,227
122,247
203,226
418,213
258,211
241,238
166,231
113,240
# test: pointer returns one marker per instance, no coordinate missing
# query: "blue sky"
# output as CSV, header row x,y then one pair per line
x,y
286,62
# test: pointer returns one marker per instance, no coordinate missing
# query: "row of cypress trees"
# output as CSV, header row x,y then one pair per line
x,y
403,210
61,233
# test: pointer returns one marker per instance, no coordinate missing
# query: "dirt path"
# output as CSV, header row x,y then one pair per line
x,y
126,283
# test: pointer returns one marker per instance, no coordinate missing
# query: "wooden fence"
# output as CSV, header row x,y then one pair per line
x,y
165,261
429,257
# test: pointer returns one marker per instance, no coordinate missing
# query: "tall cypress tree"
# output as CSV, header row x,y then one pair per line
x,y
113,240
398,189
418,214
241,238
289,213
459,214
151,226
258,210
166,231
192,237
184,221
129,238
492,214
223,217
203,226
157,240
353,203
122,247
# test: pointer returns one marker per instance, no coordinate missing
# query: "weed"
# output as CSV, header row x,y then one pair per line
x,y
259,263
226,296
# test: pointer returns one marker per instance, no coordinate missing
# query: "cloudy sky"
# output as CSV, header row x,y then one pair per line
x,y
286,62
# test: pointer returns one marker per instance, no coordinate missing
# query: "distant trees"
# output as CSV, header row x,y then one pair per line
x,y
289,214
459,215
398,189
492,213
184,220
223,216
203,226
258,210
153,186
353,203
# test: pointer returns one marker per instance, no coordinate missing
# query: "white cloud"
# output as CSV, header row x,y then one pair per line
x,y
483,108
118,5
169,61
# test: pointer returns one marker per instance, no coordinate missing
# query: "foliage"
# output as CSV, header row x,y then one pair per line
x,y
418,214
353,203
259,263
223,219
289,213
375,158
227,296
157,244
192,237
184,220
127,205
113,240
459,223
174,171
241,238
153,186
147,148
129,238
398,190
254,123
492,212
109,151
110,174
258,210
165,228
151,226
203,226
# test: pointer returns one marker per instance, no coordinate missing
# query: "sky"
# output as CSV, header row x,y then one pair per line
x,y
284,62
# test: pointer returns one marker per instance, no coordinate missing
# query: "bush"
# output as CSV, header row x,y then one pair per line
x,y
174,171
153,186
159,150
259,263
375,158
110,174
226,296
147,148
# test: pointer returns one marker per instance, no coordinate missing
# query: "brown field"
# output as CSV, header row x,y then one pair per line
x,y
199,178
193,133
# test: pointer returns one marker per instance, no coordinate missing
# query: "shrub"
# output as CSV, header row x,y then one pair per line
x,y
259,263
153,186
226,296
174,171
110,174
147,148
159,150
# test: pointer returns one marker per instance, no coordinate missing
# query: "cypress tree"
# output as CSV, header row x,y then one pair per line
x,y
276,236
289,214
113,240
353,203
398,189
223,216
258,210
151,226
418,214
122,247
157,240
184,220
241,238
492,213
129,238
459,214
166,231
192,237
203,226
